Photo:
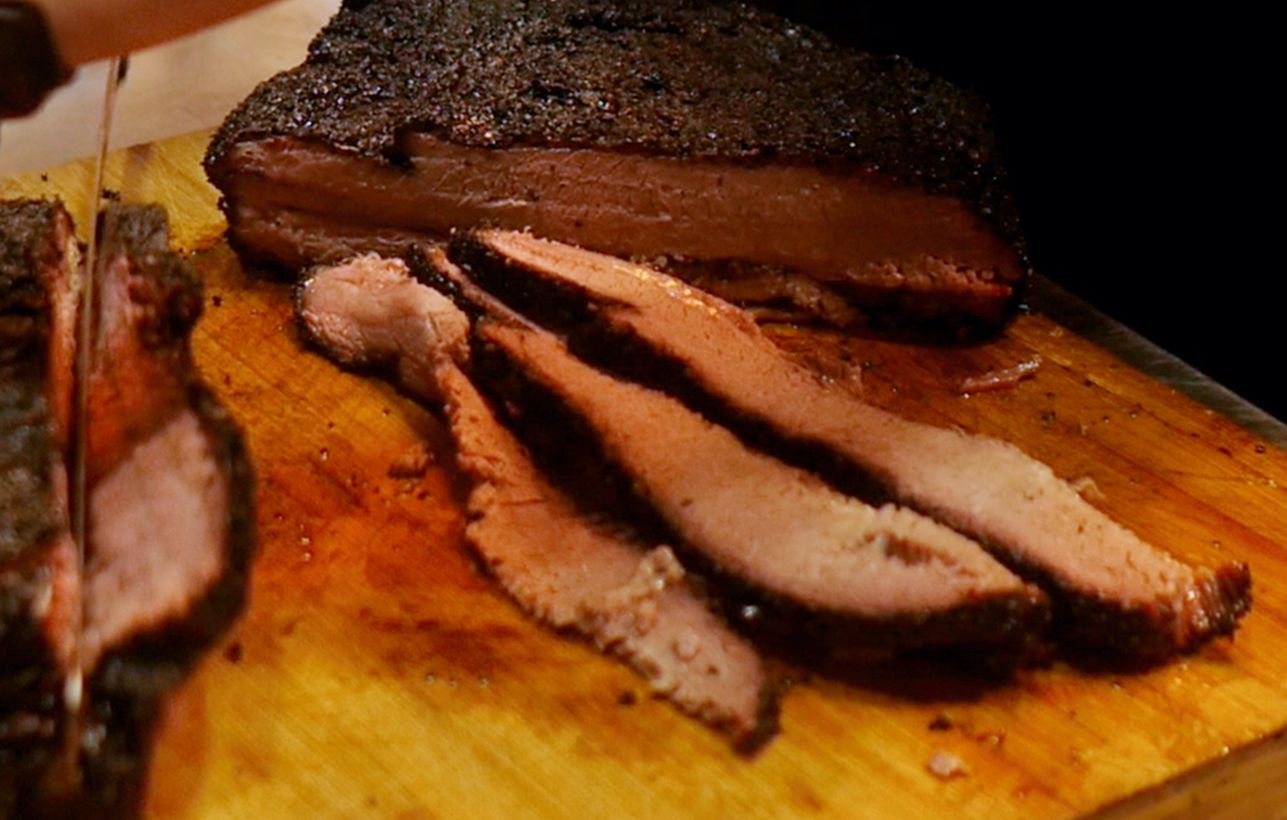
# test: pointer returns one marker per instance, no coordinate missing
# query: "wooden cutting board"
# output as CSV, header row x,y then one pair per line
x,y
378,673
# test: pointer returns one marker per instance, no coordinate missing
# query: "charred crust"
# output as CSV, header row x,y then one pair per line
x,y
1150,634
30,516
165,286
682,78
27,242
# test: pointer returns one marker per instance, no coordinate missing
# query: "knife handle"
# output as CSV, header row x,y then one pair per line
x,y
30,66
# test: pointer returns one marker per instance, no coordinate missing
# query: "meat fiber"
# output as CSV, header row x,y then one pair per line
x,y
1112,589
556,563
751,152
169,519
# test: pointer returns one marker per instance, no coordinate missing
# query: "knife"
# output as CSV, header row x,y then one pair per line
x,y
86,353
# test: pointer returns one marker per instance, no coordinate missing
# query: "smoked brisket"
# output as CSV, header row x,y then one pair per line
x,y
828,568
750,152
561,566
169,518
1111,589
38,581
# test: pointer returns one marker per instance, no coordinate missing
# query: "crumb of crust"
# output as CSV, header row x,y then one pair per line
x,y
412,464
946,766
1087,488
941,723
999,379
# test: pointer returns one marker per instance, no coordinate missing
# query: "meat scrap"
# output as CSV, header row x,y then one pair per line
x,y
818,180
1002,379
413,464
571,573
944,765
1116,591
170,520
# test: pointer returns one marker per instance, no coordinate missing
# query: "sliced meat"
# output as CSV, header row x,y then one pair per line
x,y
171,504
370,312
1113,589
39,595
170,513
835,569
632,601
557,565
167,471
728,139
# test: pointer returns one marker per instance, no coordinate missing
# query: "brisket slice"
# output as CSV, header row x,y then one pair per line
x,y
834,570
370,313
557,564
171,515
731,140
1112,589
38,580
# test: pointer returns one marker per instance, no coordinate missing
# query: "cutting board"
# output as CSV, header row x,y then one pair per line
x,y
377,672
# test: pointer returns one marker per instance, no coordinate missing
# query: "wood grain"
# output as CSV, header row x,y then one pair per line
x,y
378,673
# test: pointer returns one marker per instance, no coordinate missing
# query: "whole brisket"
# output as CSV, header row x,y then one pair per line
x,y
1112,590
751,152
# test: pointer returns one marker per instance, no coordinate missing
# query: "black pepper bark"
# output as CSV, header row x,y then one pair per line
x,y
27,245
676,77
31,516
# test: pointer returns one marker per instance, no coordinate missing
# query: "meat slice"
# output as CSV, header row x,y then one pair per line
x,y
171,508
1114,590
834,569
369,312
167,469
556,563
632,601
169,518
39,596
731,141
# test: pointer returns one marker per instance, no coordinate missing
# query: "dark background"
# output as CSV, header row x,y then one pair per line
x,y
1138,151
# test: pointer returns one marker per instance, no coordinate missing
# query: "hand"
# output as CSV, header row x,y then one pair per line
x,y
88,30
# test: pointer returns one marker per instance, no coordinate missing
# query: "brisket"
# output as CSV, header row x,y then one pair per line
x,y
559,566
734,142
1112,589
169,518
38,582
829,568
369,312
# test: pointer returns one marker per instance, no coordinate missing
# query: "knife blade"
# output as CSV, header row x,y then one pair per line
x,y
86,353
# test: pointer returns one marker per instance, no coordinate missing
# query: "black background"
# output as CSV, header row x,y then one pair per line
x,y
1140,150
